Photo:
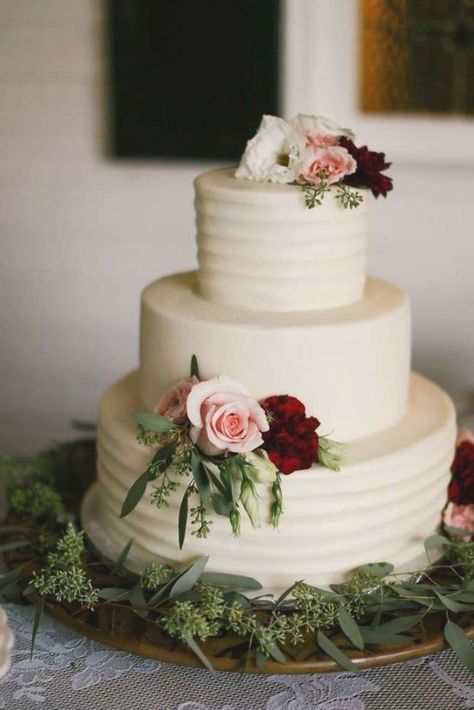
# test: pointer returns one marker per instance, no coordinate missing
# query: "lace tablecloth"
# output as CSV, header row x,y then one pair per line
x,y
74,673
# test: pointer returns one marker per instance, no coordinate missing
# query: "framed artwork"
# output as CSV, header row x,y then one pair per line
x,y
417,56
399,72
191,79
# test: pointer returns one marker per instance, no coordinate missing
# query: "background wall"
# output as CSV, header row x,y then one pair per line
x,y
81,234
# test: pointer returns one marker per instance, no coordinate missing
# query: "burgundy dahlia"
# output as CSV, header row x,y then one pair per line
x,y
461,487
370,166
291,442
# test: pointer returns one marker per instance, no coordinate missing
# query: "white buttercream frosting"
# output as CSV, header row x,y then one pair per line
x,y
380,507
261,248
349,365
281,303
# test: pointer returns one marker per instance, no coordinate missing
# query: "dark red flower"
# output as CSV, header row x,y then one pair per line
x,y
370,166
291,442
461,487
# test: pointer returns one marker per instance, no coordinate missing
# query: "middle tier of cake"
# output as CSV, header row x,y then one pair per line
x,y
380,507
349,366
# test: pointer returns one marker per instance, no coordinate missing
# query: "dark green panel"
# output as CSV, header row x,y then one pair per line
x,y
191,78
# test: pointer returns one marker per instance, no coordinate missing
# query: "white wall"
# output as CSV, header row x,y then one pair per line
x,y
81,235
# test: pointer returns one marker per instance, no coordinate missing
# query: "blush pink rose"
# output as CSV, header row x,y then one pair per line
x,y
335,161
172,404
460,516
225,417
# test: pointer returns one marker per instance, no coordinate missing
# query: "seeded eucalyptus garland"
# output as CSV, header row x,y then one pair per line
x,y
51,562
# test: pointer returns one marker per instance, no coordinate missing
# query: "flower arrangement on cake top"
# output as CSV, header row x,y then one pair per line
x,y
317,154
216,435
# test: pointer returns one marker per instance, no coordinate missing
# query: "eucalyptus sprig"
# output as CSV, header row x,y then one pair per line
x,y
348,197
314,194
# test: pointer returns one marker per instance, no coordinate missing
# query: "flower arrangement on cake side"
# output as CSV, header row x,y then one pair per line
x,y
317,154
458,516
223,443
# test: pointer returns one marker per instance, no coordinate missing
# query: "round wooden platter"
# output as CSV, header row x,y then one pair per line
x,y
124,630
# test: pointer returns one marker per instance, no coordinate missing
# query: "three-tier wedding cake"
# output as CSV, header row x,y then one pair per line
x,y
284,327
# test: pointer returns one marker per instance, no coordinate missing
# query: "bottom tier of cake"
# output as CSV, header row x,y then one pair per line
x,y
380,507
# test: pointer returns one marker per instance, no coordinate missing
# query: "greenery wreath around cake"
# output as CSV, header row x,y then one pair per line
x,y
51,562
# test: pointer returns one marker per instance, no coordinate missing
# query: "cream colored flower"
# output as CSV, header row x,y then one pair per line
x,y
259,466
269,155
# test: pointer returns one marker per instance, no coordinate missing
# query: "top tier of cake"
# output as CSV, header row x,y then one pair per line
x,y
260,248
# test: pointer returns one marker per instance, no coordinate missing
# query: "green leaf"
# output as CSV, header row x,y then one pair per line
x,y
36,622
327,595
135,494
379,636
452,604
163,458
187,579
218,484
221,505
180,583
401,624
285,594
138,601
349,628
154,422
182,519
330,648
380,569
195,367
260,658
119,562
391,605
460,644
232,581
200,478
197,650
276,653
436,541
114,593
15,545
232,597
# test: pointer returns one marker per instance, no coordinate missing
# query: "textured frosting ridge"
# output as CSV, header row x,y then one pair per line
x,y
260,248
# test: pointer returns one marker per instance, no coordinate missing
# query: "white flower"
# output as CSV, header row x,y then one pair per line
x,y
259,466
331,453
268,156
317,131
278,150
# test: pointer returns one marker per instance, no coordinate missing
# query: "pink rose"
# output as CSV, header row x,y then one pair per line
x,y
460,516
335,161
172,404
225,417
